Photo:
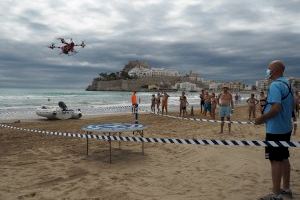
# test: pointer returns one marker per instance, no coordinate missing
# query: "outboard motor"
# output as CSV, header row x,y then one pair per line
x,y
62,105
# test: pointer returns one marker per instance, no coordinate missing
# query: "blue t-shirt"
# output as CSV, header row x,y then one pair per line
x,y
282,122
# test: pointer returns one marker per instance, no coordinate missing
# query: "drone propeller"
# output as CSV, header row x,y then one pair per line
x,y
82,44
62,40
52,46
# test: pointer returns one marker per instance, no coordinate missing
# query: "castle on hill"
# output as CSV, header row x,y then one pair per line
x,y
138,75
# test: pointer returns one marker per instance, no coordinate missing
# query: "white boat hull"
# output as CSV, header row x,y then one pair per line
x,y
57,113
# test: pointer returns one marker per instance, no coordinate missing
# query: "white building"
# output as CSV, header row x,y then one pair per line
x,y
214,85
186,86
262,84
153,72
139,72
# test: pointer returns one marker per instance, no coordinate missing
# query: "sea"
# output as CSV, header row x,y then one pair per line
x,y
22,103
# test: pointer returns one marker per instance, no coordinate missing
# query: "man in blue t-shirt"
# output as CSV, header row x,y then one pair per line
x,y
277,115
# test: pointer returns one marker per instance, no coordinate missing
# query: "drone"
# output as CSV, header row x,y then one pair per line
x,y
67,47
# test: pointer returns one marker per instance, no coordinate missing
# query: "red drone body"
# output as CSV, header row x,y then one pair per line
x,y
67,48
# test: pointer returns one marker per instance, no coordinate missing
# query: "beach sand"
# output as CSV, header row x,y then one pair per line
x,y
36,166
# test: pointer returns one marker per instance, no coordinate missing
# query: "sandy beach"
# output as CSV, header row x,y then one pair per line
x,y
36,166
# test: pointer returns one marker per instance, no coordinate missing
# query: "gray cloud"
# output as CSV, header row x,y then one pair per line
x,y
222,40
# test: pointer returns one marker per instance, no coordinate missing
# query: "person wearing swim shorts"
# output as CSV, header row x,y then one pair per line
x,y
207,103
226,106
277,117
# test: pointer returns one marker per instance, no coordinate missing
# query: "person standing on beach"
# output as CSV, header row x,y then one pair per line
x,y
207,103
296,111
262,101
297,103
183,104
134,102
157,101
214,103
153,103
277,116
164,105
236,98
252,102
225,103
202,101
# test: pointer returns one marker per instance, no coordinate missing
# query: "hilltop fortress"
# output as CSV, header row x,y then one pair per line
x,y
139,76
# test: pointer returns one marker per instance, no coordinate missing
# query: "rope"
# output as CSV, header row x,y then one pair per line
x,y
211,142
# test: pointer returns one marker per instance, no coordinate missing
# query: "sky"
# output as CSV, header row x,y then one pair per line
x,y
221,40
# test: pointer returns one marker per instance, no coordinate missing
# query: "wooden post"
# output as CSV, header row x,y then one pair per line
x,y
192,111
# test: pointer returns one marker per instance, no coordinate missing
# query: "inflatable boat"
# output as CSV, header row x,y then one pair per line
x,y
60,112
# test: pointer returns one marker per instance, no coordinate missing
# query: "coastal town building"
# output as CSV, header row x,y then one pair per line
x,y
193,76
214,86
249,87
262,84
141,72
234,86
186,86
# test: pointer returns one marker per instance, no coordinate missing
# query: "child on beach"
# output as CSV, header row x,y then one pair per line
x,y
183,104
252,102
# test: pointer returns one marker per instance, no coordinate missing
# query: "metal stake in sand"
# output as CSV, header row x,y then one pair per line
x,y
136,114
192,111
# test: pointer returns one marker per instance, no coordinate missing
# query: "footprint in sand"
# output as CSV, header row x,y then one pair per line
x,y
32,194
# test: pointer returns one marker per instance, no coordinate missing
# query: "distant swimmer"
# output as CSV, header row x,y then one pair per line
x,y
225,102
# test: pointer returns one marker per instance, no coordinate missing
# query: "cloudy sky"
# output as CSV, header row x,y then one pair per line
x,y
222,40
